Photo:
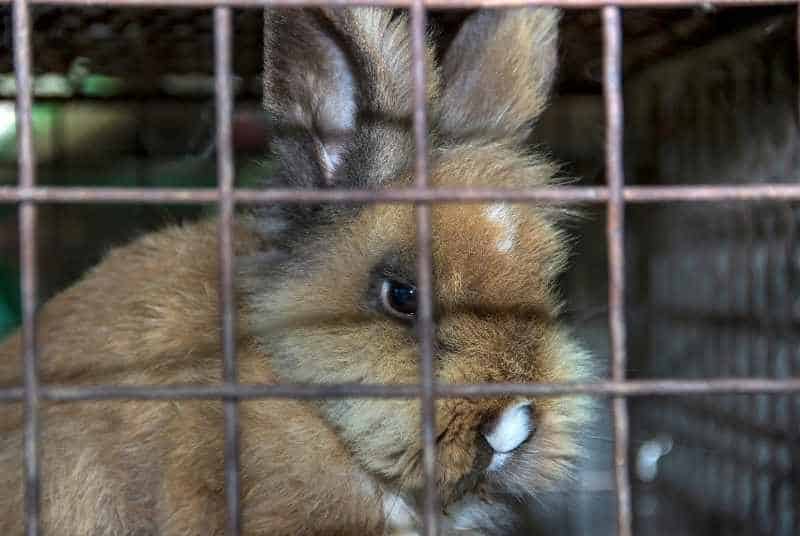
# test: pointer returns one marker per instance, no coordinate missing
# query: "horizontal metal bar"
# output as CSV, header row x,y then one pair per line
x,y
744,192
554,194
406,3
248,196
57,194
360,390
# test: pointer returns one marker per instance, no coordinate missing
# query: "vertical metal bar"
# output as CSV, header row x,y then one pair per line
x,y
27,216
224,106
794,360
741,479
612,88
425,321
774,343
793,400
741,489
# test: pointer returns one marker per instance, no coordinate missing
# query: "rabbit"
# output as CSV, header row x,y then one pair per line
x,y
326,293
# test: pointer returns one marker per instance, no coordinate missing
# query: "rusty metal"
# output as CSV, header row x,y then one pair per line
x,y
716,286
555,194
732,269
743,193
425,320
223,29
27,226
612,92
628,388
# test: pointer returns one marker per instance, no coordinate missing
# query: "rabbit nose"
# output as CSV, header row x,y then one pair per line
x,y
510,429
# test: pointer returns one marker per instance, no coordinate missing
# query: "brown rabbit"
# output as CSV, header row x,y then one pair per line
x,y
326,294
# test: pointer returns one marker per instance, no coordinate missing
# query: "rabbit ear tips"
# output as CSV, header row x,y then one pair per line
x,y
328,72
543,31
498,72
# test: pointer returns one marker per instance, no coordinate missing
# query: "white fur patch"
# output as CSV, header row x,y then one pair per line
x,y
400,517
499,459
512,428
329,160
503,216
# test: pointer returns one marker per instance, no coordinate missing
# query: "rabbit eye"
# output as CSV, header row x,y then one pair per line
x,y
399,299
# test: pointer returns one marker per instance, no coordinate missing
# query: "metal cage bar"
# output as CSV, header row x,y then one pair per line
x,y
615,195
425,321
555,194
28,266
627,388
224,105
615,232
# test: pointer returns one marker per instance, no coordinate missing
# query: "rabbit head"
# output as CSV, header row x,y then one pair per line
x,y
338,304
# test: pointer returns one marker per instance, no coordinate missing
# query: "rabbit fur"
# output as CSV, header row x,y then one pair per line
x,y
309,309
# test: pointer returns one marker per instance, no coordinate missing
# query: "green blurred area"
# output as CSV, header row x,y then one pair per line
x,y
95,143
9,300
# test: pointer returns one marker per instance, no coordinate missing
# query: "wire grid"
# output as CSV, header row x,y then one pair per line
x,y
615,195
719,286
716,290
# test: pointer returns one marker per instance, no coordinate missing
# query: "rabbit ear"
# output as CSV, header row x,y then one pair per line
x,y
498,72
331,77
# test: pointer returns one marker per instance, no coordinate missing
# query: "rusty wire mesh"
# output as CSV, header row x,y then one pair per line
x,y
720,301
718,293
615,196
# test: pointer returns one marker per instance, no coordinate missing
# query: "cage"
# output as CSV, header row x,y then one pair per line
x,y
717,287
124,97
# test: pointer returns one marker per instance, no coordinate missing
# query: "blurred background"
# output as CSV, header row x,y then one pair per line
x,y
125,98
